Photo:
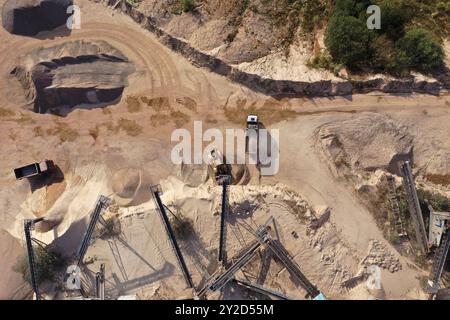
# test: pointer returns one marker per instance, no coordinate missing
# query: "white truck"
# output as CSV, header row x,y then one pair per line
x,y
252,122
34,169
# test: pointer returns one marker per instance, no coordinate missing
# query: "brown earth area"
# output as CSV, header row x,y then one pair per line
x,y
166,92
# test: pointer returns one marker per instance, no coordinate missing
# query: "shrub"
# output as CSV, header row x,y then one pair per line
x,y
6,112
349,7
384,56
393,18
183,227
322,60
131,127
64,132
38,131
188,5
179,118
443,7
348,41
437,201
133,104
232,35
47,264
420,51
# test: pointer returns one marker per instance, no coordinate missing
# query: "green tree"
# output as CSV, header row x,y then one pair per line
x,y
393,18
384,54
348,40
419,50
351,7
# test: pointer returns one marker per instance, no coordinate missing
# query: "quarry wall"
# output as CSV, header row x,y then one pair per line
x,y
280,88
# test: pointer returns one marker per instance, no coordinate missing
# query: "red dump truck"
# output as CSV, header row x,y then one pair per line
x,y
34,169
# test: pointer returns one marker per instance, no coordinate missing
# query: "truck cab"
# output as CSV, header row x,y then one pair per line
x,y
252,122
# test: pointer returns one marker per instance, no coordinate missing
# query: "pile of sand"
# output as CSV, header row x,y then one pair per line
x,y
73,73
125,185
29,17
367,141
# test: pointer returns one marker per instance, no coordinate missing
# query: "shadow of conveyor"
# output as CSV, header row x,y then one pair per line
x,y
117,287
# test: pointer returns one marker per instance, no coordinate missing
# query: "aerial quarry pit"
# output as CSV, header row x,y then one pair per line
x,y
362,193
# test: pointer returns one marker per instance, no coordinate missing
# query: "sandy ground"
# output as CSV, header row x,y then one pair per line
x,y
293,67
89,162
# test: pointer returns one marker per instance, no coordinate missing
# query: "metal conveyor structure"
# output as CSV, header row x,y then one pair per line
x,y
102,204
28,225
100,282
293,268
414,206
156,190
439,261
261,289
225,180
277,248
221,277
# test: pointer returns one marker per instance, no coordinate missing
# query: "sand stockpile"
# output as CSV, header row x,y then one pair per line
x,y
368,141
73,73
125,185
29,17
65,217
193,175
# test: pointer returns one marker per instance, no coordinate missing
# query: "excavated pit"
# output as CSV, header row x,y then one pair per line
x,y
29,17
79,73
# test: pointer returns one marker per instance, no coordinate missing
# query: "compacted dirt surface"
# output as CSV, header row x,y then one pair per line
x,y
120,147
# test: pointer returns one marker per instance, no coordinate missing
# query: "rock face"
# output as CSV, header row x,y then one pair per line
x,y
368,141
155,16
73,73
29,17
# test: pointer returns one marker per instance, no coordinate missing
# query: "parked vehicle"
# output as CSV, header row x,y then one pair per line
x,y
34,169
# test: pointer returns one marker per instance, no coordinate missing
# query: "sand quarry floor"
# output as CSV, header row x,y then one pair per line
x,y
91,147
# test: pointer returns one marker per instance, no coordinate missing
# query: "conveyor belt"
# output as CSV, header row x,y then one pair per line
x,y
261,289
414,206
225,180
155,192
102,203
440,259
221,278
292,267
27,226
